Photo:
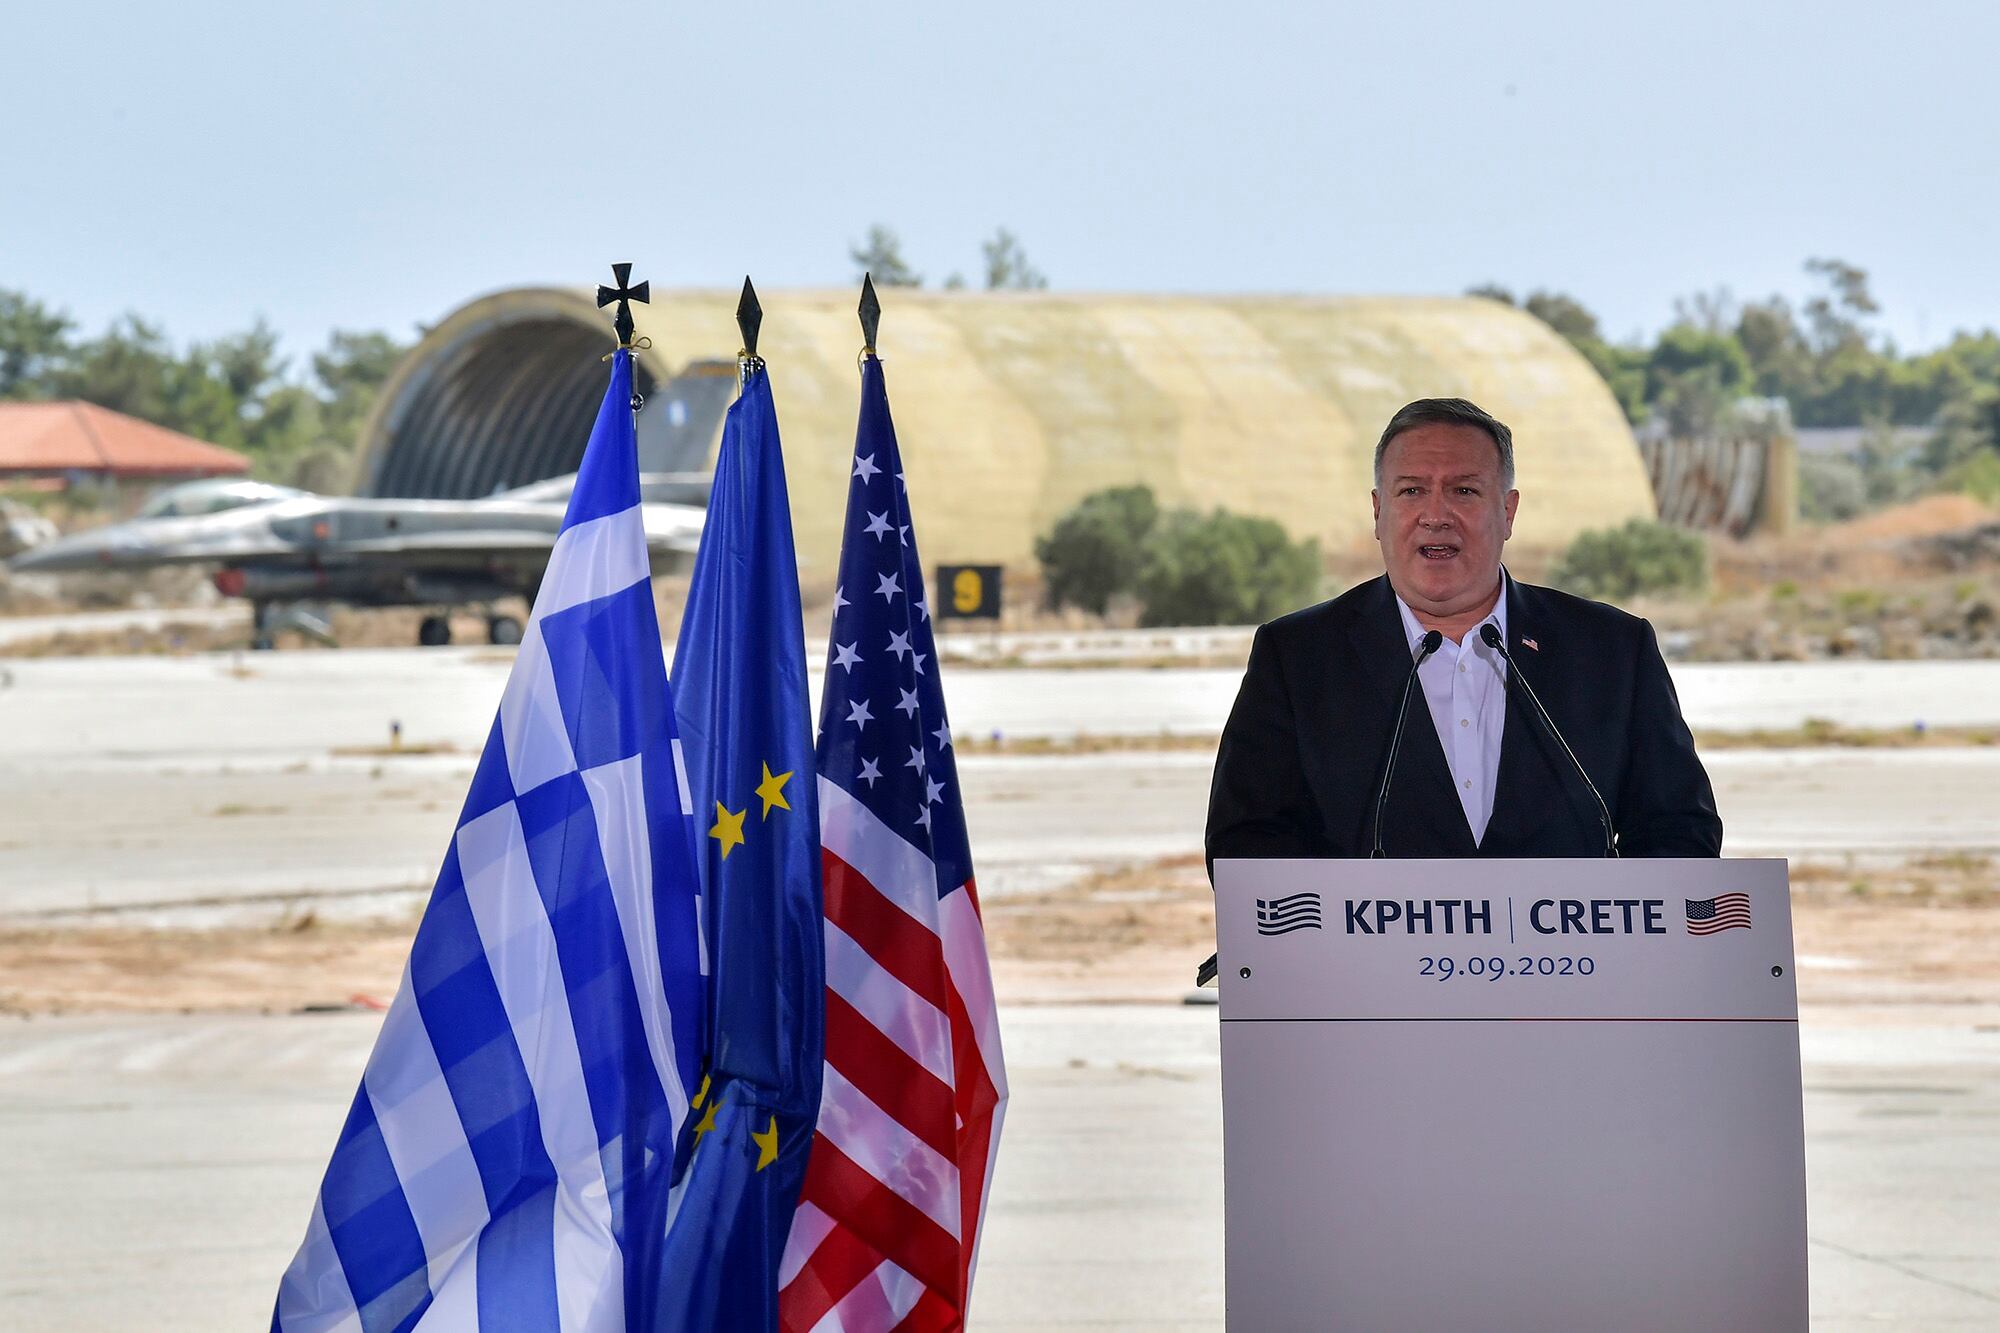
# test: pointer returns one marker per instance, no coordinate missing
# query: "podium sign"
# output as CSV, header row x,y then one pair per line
x,y
1544,1094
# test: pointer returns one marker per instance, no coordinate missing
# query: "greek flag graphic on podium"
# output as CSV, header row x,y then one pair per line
x,y
508,1158
887,1229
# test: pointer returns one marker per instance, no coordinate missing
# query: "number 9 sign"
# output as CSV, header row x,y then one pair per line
x,y
972,592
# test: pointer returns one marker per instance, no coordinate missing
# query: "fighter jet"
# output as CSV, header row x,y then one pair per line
x,y
278,547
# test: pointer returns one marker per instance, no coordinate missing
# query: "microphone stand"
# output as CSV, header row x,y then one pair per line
x,y
1489,634
1429,644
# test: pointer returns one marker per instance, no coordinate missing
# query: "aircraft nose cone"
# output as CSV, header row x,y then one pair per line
x,y
85,551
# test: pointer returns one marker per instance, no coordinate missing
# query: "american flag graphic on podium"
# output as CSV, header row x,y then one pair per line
x,y
887,1228
1725,911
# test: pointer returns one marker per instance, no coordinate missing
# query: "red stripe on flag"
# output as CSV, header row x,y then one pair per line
x,y
976,1098
899,944
879,1217
889,1077
931,1314
840,1263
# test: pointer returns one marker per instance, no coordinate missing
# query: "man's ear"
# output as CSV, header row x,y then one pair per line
x,y
1513,502
1375,499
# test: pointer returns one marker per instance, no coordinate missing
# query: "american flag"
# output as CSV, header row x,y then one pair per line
x,y
887,1228
1725,911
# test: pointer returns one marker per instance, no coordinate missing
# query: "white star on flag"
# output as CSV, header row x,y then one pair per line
x,y
916,759
899,643
917,661
924,817
864,467
878,525
923,612
890,590
871,773
858,714
932,789
943,734
838,601
908,705
844,655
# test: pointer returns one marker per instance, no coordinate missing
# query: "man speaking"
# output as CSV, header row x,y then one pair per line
x,y
1445,709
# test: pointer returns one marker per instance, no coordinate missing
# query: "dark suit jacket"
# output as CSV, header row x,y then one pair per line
x,y
1303,753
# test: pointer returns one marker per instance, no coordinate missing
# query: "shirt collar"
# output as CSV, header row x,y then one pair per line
x,y
1414,632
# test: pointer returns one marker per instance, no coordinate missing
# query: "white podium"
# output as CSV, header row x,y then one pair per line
x,y
1537,1095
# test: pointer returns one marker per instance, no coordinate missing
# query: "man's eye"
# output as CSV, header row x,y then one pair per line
x,y
1468,490
1409,490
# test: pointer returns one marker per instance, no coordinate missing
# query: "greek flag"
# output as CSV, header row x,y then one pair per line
x,y
509,1154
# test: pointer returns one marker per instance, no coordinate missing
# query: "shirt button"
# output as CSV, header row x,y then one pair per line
x,y
1465,722
1461,666
1468,784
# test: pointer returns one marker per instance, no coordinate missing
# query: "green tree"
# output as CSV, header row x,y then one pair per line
x,y
1007,266
351,372
1641,557
1094,551
881,255
1694,378
34,341
1221,568
1831,488
1781,361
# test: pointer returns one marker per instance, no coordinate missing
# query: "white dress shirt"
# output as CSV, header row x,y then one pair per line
x,y
1465,685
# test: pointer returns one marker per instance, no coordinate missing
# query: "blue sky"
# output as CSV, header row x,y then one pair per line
x,y
368,165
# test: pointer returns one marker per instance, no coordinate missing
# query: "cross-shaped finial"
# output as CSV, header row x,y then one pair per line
x,y
749,318
624,294
871,314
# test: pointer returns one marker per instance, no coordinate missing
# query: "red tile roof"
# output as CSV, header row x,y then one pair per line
x,y
83,437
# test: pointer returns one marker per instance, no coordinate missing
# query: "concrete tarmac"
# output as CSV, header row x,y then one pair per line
x,y
158,1172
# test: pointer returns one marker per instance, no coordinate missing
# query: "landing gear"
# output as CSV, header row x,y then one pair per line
x,y
261,639
503,630
434,632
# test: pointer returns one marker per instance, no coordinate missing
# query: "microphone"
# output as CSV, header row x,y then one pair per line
x,y
1489,634
1427,645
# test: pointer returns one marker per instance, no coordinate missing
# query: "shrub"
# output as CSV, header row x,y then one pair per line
x,y
1641,557
1223,569
1831,489
1094,551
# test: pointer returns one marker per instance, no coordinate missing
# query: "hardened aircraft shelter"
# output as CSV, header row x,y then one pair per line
x,y
1011,407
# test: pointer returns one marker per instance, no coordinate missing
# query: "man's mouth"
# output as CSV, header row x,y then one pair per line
x,y
1437,551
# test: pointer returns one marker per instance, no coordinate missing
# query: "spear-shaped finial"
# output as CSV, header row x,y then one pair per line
x,y
871,314
749,318
624,294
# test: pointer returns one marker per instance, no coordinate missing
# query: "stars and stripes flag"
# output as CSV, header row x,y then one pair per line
x,y
887,1229
1725,911
507,1160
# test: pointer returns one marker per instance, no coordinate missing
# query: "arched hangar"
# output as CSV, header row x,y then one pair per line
x,y
1012,406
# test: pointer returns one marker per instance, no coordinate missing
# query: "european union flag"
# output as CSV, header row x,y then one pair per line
x,y
507,1160
740,695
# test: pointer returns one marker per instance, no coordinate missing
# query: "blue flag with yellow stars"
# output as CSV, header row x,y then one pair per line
x,y
740,697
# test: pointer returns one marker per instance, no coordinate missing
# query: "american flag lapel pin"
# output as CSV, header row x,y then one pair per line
x,y
1527,642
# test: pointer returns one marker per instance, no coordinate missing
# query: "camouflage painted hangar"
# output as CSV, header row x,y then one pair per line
x,y
1011,407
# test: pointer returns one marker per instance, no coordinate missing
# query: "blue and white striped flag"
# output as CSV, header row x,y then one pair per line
x,y
507,1159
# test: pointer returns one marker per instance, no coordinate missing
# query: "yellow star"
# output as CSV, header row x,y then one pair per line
x,y
767,1144
701,1093
772,789
707,1121
728,828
